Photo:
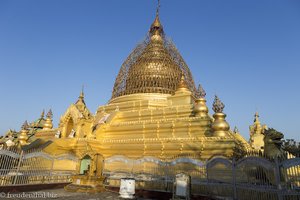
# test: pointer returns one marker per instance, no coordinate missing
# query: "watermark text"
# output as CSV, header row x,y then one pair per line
x,y
29,195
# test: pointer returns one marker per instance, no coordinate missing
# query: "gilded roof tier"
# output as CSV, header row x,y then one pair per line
x,y
154,66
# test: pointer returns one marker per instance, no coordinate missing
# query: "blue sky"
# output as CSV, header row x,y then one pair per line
x,y
246,52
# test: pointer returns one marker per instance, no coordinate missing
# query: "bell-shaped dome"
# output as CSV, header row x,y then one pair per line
x,y
155,66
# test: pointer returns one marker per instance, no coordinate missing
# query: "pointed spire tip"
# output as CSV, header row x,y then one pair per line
x,y
82,92
157,8
49,114
156,27
43,114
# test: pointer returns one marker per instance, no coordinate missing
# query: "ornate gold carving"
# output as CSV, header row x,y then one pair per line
x,y
218,105
201,92
77,118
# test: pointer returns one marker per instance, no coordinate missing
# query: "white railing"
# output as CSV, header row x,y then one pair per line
x,y
247,178
36,167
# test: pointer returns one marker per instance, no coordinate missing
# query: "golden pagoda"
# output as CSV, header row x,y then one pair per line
x,y
155,110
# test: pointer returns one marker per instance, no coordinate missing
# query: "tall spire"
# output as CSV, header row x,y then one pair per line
x,y
80,102
156,27
157,8
256,117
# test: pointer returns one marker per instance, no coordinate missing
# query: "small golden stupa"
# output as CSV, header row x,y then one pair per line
x,y
256,134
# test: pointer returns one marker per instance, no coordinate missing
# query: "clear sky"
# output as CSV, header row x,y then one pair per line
x,y
246,52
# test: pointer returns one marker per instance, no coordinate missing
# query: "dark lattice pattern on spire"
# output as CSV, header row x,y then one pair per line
x,y
154,66
163,75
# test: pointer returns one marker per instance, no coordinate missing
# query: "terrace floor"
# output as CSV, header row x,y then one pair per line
x,y
61,194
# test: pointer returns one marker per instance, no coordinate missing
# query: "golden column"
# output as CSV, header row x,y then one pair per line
x,y
219,126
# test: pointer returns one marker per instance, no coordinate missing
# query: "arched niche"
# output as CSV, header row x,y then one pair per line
x,y
85,165
70,126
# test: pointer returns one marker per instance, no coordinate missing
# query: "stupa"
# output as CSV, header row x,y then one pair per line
x,y
155,110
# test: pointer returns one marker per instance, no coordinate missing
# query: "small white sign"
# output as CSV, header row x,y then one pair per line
x,y
181,188
127,188
182,183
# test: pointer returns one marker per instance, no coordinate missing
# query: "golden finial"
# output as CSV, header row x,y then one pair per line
x,y
182,83
25,126
257,127
236,130
82,92
201,92
49,114
43,114
256,117
48,124
219,126
218,105
23,137
200,108
156,27
80,104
